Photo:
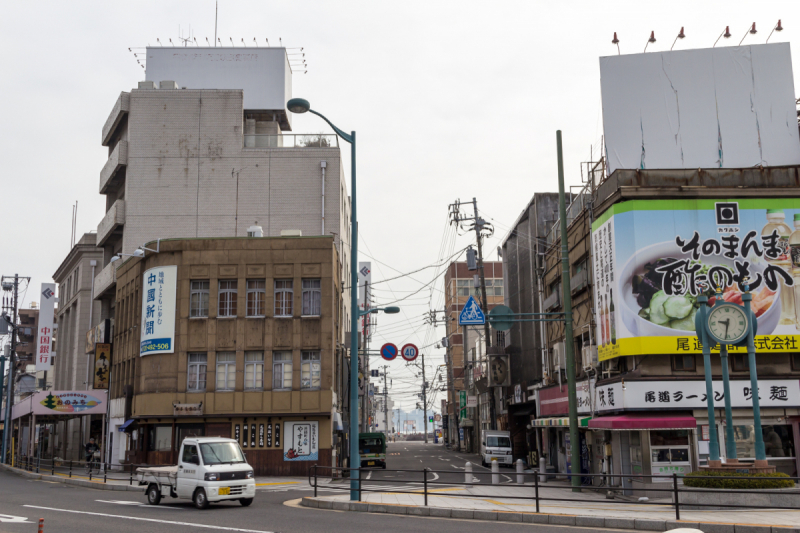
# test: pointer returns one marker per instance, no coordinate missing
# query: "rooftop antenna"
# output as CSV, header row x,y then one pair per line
x,y
777,27
652,39
751,30
216,17
681,35
726,34
616,41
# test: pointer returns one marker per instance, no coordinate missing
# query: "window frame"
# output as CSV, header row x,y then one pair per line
x,y
228,297
255,363
197,364
734,357
282,363
674,358
199,292
312,291
228,368
310,364
256,305
283,299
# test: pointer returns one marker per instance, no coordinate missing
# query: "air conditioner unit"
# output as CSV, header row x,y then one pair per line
x,y
589,357
168,84
255,231
559,357
291,233
147,85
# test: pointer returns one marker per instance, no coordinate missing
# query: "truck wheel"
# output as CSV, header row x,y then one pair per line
x,y
246,501
200,499
153,494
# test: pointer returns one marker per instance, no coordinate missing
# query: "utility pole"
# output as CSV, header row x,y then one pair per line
x,y
424,399
385,403
574,435
12,362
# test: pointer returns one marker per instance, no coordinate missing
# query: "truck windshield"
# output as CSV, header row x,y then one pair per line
x,y
499,442
215,453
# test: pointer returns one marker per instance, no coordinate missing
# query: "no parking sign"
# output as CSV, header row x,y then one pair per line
x,y
389,351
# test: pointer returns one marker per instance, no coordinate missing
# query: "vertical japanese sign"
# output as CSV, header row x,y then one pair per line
x,y
652,259
364,298
102,363
158,310
302,441
44,336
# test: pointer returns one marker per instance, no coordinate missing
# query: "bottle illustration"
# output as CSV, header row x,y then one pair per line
x,y
794,251
613,322
607,324
601,323
775,222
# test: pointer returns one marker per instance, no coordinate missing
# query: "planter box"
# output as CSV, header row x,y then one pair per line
x,y
751,498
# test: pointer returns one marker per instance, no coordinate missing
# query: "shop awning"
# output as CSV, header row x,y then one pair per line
x,y
124,427
583,421
636,422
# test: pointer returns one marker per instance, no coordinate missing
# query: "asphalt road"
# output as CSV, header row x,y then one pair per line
x,y
71,509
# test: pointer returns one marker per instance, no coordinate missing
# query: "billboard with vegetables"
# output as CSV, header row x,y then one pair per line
x,y
653,258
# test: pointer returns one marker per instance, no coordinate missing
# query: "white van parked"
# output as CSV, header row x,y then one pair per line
x,y
209,469
496,446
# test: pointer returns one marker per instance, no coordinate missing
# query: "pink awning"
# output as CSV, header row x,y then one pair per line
x,y
634,422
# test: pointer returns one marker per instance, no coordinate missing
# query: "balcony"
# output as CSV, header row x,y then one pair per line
x,y
111,175
105,282
258,140
111,223
121,108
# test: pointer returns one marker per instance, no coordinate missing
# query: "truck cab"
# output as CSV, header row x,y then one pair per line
x,y
496,446
209,469
372,449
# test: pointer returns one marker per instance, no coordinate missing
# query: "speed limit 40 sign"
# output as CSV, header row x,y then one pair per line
x,y
409,352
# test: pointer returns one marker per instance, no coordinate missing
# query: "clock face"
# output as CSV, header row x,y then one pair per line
x,y
728,324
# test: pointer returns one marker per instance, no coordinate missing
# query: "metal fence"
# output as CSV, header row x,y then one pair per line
x,y
531,481
93,471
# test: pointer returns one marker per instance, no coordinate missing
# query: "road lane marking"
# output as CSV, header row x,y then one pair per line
x,y
279,483
141,519
369,476
120,502
7,518
435,476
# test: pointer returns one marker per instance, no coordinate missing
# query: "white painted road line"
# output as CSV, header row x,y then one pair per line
x,y
7,518
141,519
369,476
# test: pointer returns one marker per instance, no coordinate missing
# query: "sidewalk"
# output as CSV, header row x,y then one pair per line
x,y
478,503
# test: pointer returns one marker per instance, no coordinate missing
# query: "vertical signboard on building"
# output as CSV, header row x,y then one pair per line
x,y
158,310
102,362
653,259
364,298
44,337
302,441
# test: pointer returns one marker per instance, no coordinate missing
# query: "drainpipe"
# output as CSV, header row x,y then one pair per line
x,y
323,165
93,263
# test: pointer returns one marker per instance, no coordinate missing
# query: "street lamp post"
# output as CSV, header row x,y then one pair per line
x,y
299,105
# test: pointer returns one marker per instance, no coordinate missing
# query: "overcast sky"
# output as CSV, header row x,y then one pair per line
x,y
449,100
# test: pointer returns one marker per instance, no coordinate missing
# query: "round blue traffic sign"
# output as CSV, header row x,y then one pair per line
x,y
389,351
409,352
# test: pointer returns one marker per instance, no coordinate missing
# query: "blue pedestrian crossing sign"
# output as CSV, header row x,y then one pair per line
x,y
471,315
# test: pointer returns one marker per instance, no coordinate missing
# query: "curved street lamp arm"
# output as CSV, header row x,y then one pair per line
x,y
347,137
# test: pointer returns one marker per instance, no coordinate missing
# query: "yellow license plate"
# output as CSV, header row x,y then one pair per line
x,y
224,491
370,463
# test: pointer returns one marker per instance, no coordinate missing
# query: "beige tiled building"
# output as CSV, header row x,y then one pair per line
x,y
257,323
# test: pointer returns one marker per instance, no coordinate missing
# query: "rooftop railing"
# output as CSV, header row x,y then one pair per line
x,y
258,140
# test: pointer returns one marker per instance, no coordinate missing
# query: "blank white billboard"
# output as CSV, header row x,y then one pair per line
x,y
730,107
263,73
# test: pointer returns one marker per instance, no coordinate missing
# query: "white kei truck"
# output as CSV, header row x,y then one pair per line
x,y
209,469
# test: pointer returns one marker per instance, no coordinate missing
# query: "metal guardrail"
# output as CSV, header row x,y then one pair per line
x,y
675,490
259,140
71,468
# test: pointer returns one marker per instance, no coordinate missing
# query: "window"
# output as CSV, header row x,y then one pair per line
x,y
685,362
494,287
778,440
189,451
312,297
160,439
198,299
216,453
283,297
197,372
256,297
310,370
498,442
463,287
282,371
795,357
669,446
254,370
226,371
227,298
739,362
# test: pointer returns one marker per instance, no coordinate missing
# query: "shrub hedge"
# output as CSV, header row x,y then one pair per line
x,y
713,480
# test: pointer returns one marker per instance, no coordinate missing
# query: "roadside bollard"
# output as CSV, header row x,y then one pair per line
x,y
542,470
495,473
468,475
520,475
41,525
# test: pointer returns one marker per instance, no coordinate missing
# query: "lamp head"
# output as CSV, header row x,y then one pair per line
x,y
779,27
138,252
391,310
727,32
753,29
615,40
681,35
298,105
114,259
652,38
